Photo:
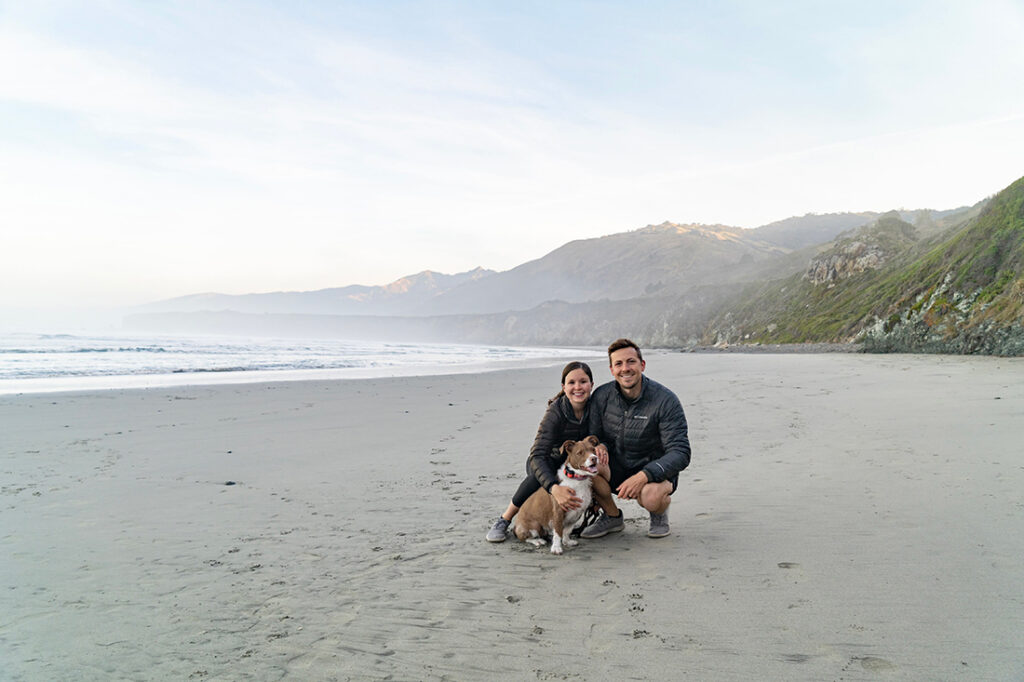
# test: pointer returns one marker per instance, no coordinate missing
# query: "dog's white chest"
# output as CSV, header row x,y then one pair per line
x,y
582,488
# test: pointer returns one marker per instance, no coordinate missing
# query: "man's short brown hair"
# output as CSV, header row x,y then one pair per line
x,y
619,344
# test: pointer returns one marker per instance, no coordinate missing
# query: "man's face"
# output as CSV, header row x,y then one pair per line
x,y
626,367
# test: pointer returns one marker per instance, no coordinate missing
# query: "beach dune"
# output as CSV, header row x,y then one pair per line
x,y
844,517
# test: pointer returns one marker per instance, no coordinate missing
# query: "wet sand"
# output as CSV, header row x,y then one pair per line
x,y
845,517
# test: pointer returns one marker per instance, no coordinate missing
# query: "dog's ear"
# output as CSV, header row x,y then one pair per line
x,y
566,447
593,440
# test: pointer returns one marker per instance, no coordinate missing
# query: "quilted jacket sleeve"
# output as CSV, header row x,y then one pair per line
x,y
543,461
595,414
675,440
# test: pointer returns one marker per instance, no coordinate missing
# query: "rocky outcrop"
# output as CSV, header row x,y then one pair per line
x,y
848,260
944,321
867,248
915,334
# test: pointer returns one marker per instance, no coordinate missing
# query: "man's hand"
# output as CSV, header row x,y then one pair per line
x,y
631,487
565,497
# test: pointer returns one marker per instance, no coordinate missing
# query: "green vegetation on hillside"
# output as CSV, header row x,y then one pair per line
x,y
959,291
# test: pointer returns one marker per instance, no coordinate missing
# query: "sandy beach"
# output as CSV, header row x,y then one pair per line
x,y
845,517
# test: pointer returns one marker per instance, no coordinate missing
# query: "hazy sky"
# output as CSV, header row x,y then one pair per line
x,y
155,149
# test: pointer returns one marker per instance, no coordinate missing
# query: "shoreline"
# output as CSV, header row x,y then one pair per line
x,y
115,382
44,363
844,516
788,348
108,382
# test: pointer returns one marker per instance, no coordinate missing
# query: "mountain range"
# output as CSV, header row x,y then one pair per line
x,y
920,280
404,296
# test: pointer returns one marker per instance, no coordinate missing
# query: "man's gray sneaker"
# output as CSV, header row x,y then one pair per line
x,y
605,524
498,531
659,526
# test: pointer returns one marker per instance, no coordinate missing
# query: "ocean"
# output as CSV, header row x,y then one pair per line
x,y
35,363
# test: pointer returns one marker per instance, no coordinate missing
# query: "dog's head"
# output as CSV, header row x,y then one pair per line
x,y
580,455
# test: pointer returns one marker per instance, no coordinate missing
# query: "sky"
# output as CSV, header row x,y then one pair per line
x,y
152,150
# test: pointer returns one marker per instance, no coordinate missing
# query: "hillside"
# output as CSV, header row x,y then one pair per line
x,y
924,280
403,296
966,294
811,229
656,260
959,290
668,322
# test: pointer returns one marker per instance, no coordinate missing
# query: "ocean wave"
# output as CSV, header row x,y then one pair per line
x,y
59,351
201,370
29,357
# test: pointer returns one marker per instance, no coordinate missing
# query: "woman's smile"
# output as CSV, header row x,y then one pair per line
x,y
577,387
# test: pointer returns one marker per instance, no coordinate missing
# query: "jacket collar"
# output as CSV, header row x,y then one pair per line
x,y
643,389
566,408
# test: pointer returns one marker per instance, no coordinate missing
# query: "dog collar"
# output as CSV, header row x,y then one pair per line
x,y
571,473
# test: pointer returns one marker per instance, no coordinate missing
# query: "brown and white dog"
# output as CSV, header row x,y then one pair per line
x,y
540,516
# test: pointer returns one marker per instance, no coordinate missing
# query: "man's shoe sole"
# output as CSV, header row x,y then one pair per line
x,y
497,539
652,534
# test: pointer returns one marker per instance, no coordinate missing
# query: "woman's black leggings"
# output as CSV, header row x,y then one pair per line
x,y
529,486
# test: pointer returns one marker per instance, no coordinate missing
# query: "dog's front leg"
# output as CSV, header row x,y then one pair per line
x,y
556,535
568,540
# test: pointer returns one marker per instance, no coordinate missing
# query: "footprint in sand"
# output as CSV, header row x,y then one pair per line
x,y
875,664
871,664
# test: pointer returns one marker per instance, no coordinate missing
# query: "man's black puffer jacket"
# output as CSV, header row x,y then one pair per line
x,y
558,425
648,433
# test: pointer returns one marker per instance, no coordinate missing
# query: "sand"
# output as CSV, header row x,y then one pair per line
x,y
845,517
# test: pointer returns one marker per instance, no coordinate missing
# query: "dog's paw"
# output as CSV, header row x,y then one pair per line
x,y
570,542
556,550
536,542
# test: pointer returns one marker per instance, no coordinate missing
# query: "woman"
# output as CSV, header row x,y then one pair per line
x,y
565,419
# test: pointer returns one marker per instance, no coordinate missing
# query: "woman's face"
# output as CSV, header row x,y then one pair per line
x,y
577,387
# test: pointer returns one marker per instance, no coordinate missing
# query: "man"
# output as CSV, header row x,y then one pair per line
x,y
644,427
